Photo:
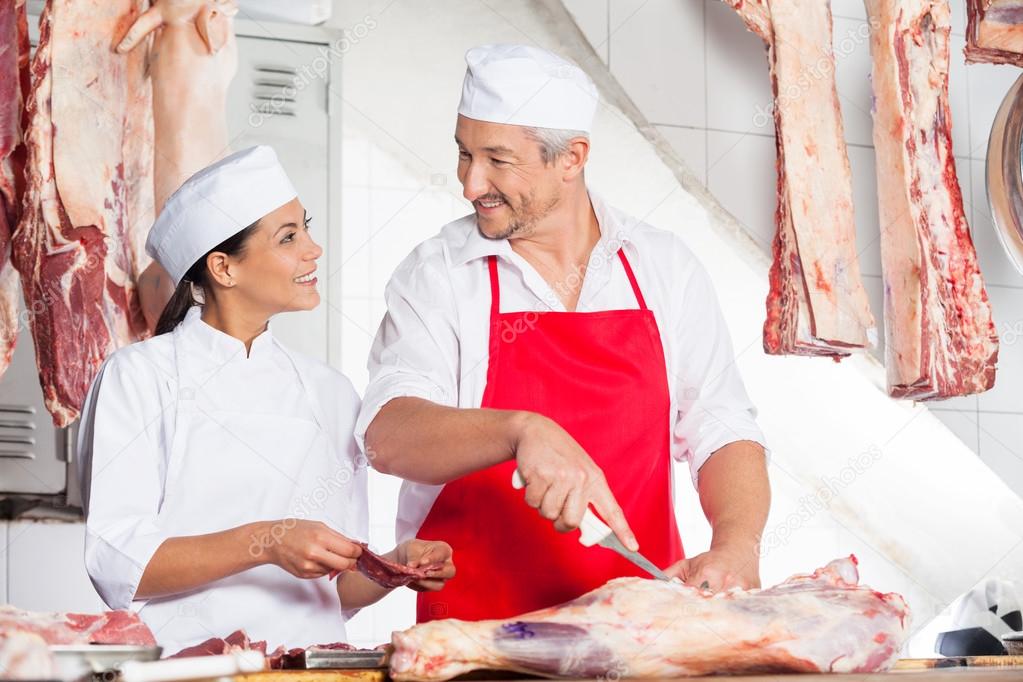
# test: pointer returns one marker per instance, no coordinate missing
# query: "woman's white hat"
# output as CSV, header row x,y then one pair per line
x,y
216,203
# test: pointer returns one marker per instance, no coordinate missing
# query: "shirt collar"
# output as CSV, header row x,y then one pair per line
x,y
220,346
613,231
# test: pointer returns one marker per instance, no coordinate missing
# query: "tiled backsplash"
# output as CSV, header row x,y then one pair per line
x,y
696,73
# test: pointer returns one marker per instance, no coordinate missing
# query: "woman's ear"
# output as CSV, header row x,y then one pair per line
x,y
220,268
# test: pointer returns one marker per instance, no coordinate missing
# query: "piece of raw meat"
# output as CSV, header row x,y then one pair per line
x,y
195,57
280,658
994,31
817,304
25,656
14,88
640,628
940,337
215,646
388,573
88,200
109,627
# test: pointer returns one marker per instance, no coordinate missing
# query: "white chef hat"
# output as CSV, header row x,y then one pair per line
x,y
216,203
526,86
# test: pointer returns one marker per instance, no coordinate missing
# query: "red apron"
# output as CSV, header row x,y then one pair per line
x,y
602,377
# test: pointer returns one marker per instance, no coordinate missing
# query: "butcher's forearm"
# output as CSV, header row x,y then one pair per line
x,y
736,495
185,563
429,443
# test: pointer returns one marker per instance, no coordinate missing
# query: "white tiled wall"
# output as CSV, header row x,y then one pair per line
x,y
698,75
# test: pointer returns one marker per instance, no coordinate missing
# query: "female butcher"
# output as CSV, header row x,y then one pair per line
x,y
221,480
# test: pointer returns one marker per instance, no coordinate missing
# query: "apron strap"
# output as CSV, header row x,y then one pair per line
x,y
632,280
495,290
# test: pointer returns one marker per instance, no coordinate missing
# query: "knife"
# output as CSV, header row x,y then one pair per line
x,y
596,532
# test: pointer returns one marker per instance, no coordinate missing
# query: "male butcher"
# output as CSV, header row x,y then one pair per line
x,y
551,333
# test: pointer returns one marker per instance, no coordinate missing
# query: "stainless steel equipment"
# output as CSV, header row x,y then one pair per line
x,y
1005,173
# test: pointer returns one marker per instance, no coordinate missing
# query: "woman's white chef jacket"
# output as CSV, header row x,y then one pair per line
x,y
183,434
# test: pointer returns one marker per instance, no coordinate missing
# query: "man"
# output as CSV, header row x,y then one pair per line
x,y
550,333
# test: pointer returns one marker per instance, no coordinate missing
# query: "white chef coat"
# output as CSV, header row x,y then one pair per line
x,y
183,434
433,340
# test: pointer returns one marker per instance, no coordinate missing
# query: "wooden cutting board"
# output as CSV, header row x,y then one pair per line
x,y
374,675
959,662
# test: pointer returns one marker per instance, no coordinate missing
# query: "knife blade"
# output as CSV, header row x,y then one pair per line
x,y
593,531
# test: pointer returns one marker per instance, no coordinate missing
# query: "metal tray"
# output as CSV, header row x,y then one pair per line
x,y
319,659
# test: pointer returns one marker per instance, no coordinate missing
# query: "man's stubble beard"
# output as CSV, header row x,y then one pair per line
x,y
523,226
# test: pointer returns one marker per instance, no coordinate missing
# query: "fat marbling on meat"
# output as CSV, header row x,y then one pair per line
x,y
994,31
940,336
817,304
641,628
14,88
88,202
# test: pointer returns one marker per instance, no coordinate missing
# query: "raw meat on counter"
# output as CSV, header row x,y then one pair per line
x,y
109,627
25,656
89,196
14,88
817,304
940,337
640,628
994,31
238,640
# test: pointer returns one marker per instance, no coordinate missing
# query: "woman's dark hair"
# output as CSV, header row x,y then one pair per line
x,y
177,307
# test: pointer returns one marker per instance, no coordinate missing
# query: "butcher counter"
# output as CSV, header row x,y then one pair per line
x,y
955,674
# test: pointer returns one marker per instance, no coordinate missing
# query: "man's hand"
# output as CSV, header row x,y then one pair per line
x,y
310,549
415,553
562,479
719,569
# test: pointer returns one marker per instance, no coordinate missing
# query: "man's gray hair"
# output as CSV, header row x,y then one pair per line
x,y
553,141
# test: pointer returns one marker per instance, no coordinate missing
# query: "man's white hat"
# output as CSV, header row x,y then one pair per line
x,y
216,203
526,86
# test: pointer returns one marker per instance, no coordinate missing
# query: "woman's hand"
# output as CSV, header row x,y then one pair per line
x,y
308,549
417,553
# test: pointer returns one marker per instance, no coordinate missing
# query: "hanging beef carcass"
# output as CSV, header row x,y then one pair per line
x,y
940,336
817,304
88,199
195,59
994,31
14,88
640,628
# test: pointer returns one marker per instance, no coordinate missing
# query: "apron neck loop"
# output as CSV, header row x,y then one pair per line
x,y
632,279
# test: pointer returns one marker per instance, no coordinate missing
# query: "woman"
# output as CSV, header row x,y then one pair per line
x,y
221,480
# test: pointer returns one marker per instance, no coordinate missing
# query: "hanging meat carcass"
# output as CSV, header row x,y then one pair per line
x,y
940,337
994,31
196,57
89,195
817,304
14,89
640,628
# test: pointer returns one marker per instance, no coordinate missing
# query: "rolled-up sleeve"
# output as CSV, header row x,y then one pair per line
x,y
123,477
713,406
415,352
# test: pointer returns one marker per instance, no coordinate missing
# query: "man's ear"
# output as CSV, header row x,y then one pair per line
x,y
574,160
